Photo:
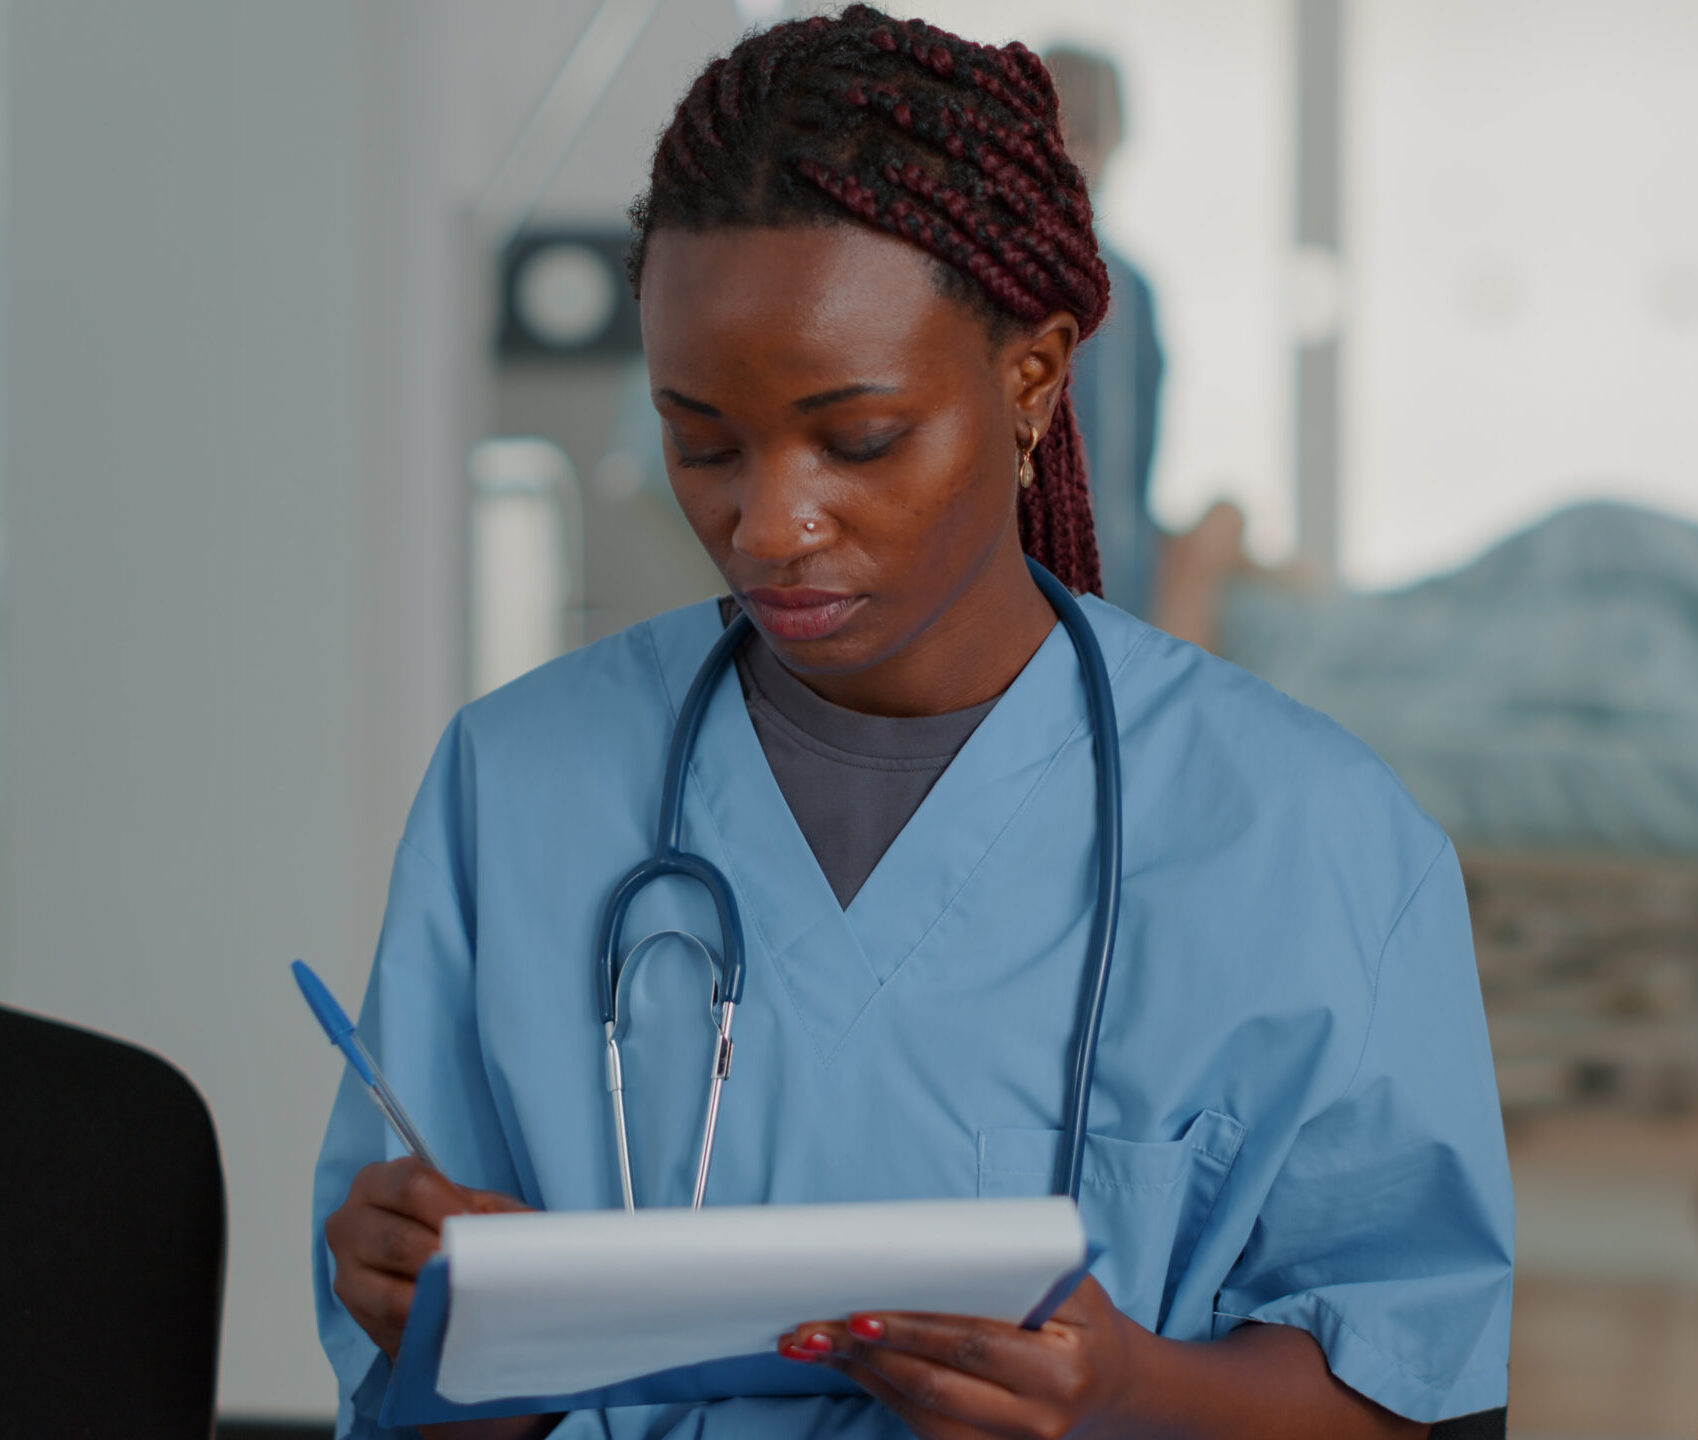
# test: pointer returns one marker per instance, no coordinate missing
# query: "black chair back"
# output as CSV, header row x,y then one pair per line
x,y
111,1239
1483,1425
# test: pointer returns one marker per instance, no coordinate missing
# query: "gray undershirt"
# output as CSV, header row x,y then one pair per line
x,y
851,780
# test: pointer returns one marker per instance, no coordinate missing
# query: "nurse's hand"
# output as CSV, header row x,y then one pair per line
x,y
949,1377
390,1224
1091,1372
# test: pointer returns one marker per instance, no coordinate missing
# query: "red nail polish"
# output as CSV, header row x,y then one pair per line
x,y
796,1352
867,1327
819,1342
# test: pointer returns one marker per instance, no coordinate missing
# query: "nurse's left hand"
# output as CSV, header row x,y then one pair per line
x,y
951,1377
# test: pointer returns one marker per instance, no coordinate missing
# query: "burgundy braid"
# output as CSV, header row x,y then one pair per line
x,y
951,145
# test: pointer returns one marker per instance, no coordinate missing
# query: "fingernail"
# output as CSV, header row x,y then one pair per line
x,y
796,1352
819,1342
867,1327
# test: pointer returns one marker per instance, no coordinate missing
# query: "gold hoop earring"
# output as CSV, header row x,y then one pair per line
x,y
1024,471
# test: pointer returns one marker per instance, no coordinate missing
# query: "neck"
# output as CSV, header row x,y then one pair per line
x,y
968,654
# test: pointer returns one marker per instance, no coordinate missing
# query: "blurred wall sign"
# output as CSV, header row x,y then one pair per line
x,y
564,296
526,558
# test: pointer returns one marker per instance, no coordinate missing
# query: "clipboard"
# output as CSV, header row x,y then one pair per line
x,y
412,1398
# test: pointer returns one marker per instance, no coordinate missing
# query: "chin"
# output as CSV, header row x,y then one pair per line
x,y
859,645
833,655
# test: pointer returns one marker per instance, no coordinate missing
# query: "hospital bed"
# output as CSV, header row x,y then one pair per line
x,y
1542,704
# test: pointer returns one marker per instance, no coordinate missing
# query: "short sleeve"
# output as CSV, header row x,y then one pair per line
x,y
1389,1231
419,1020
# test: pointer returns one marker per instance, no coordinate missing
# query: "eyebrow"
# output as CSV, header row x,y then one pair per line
x,y
684,402
807,404
810,403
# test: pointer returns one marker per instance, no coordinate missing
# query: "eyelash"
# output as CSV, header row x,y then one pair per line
x,y
864,456
868,453
703,462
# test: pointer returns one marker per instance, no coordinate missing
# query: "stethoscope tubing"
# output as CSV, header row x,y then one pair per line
x,y
670,858
1099,949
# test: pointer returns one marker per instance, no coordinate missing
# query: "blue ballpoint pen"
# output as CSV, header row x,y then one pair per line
x,y
345,1038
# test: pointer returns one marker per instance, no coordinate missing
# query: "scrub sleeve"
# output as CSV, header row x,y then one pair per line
x,y
420,1021
1388,1232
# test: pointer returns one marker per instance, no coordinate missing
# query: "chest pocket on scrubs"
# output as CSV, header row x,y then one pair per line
x,y
1144,1202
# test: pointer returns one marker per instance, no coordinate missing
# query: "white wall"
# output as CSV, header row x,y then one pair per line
x,y
186,807
244,355
1522,217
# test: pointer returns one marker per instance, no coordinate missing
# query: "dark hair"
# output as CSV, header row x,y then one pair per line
x,y
951,145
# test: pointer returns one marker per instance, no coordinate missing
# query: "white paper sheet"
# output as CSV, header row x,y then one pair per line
x,y
551,1304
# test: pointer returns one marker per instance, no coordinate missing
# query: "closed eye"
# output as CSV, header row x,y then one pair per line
x,y
704,461
867,450
692,458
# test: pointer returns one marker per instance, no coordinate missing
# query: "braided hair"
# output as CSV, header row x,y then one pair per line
x,y
950,145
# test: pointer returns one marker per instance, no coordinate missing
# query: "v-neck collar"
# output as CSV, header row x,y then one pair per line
x,y
918,740
833,961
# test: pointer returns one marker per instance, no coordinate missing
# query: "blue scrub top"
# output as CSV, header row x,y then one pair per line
x,y
1294,1120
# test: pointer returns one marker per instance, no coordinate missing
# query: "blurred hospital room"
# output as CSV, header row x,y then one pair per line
x,y
323,411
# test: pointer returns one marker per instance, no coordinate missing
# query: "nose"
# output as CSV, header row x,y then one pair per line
x,y
779,519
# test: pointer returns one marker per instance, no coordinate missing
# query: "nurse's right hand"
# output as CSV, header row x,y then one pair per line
x,y
389,1225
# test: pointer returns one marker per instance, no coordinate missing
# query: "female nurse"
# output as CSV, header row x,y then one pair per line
x,y
864,264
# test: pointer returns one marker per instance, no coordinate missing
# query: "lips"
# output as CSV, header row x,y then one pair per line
x,y
798,613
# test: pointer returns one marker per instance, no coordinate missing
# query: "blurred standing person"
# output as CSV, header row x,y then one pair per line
x,y
1117,376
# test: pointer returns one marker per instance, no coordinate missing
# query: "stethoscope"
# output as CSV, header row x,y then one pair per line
x,y
726,973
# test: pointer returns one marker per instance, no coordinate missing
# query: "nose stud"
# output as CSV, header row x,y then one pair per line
x,y
810,526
